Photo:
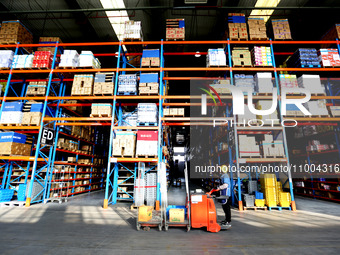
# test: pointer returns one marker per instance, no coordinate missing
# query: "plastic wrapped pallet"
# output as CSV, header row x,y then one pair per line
x,y
271,147
22,61
12,113
127,84
311,82
288,81
317,107
252,187
264,83
249,200
329,57
42,59
304,57
130,119
147,143
6,58
245,82
87,59
237,26
70,58
124,144
241,56
216,57
147,114
133,30
262,56
12,143
101,110
13,32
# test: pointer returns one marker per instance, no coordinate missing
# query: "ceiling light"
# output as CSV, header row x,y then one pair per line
x,y
198,54
266,13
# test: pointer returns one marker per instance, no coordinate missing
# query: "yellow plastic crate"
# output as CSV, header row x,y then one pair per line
x,y
271,203
260,202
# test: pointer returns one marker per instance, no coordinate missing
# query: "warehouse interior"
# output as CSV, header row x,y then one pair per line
x,y
103,126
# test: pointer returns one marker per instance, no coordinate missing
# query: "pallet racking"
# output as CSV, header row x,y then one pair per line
x,y
41,160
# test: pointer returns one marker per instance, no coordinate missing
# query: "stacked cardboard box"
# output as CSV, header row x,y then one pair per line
x,y
241,56
265,105
12,113
49,40
304,57
36,88
335,110
22,61
147,142
148,84
15,32
248,147
221,87
133,30
288,81
104,84
263,82
42,59
6,58
237,26
101,110
33,117
257,29
268,185
332,34
271,147
151,58
87,59
317,107
68,144
329,57
245,82
262,56
12,143
147,114
82,84
216,57
124,144
281,29
78,109
175,29
312,83
70,58
127,84
173,112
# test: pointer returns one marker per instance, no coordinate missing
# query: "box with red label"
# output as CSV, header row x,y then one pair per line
x,y
42,59
147,143
329,57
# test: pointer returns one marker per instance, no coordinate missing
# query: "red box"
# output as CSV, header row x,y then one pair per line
x,y
147,135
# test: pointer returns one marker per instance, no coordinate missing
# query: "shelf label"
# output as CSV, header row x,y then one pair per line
x,y
113,160
196,199
48,135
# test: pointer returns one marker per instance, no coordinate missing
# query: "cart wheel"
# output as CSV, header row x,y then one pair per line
x,y
188,228
166,227
160,227
138,227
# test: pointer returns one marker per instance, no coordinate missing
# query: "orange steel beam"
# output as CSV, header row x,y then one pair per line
x,y
84,124
78,119
21,158
20,127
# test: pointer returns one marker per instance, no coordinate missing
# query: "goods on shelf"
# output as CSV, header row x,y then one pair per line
x,y
252,187
335,111
127,84
133,30
293,110
12,143
304,57
148,84
173,112
332,34
12,113
315,145
216,57
249,200
262,56
150,187
329,57
124,144
52,40
281,29
22,61
248,146
237,26
245,82
87,59
104,84
67,144
265,105
101,110
14,32
271,147
175,29
263,82
241,56
130,119
220,87
147,143
288,81
77,109
151,58
312,83
305,131
82,84
42,59
6,58
176,215
70,58
268,185
257,29
33,117
317,107
147,114
36,88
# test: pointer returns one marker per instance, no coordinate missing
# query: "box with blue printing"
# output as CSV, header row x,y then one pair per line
x,y
151,53
13,106
148,77
12,137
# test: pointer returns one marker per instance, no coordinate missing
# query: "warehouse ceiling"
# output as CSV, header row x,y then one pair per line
x,y
205,22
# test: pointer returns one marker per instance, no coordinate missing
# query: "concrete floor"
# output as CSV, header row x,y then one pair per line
x,y
81,226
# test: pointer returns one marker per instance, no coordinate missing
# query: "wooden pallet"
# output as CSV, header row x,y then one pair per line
x,y
86,67
40,68
148,94
279,208
147,124
66,67
127,93
250,157
255,208
242,65
123,156
12,204
264,94
11,124
132,40
5,68
213,66
103,94
175,39
238,39
274,157
174,115
259,39
318,94
100,115
145,156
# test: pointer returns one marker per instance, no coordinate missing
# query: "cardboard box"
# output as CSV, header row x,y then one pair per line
x,y
145,213
176,215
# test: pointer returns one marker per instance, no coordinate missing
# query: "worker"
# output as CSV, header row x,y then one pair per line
x,y
225,190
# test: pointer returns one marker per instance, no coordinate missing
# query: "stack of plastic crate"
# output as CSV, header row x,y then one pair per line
x,y
6,195
252,187
249,200
127,84
268,182
259,201
21,195
284,199
36,191
147,114
150,190
130,119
